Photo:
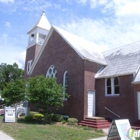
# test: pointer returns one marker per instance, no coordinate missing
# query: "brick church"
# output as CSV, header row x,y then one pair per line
x,y
100,84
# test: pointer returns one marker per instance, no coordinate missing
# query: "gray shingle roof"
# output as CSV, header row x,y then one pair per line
x,y
121,61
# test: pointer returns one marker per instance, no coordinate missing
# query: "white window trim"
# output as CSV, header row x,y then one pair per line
x,y
53,74
64,80
29,65
112,87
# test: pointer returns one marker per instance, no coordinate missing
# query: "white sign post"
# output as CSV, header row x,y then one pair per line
x,y
120,130
9,114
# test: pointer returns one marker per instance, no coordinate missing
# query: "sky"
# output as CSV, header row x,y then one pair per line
x,y
108,23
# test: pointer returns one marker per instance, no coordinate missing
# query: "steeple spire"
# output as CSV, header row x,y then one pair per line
x,y
39,32
42,22
43,12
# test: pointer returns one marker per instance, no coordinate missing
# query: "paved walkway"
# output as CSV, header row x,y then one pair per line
x,y
4,136
101,138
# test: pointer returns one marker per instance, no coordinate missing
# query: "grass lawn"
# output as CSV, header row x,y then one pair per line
x,y
24,131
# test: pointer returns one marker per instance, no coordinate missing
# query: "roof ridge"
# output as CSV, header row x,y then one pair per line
x,y
86,49
116,48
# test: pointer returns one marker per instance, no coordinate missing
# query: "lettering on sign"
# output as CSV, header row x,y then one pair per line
x,y
9,114
119,130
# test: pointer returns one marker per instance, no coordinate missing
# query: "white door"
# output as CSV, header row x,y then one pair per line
x,y
91,103
138,103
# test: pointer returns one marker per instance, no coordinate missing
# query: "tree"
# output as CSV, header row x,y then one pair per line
x,y
14,92
45,92
9,73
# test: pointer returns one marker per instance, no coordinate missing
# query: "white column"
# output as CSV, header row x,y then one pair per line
x,y
112,86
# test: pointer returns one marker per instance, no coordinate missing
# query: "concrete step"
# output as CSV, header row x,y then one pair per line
x,y
96,126
96,122
93,120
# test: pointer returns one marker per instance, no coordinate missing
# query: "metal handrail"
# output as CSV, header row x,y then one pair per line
x,y
112,112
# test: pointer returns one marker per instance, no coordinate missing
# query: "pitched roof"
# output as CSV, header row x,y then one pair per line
x,y
121,61
42,22
84,48
137,78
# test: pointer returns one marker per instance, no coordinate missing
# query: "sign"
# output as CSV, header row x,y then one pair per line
x,y
113,132
119,130
9,114
22,110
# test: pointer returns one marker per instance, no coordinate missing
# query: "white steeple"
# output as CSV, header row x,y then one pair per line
x,y
39,32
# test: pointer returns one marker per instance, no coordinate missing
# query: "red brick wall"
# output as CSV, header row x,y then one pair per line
x,y
31,53
58,53
136,90
91,69
122,105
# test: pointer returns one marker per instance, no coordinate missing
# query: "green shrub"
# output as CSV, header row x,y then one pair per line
x,y
38,116
57,117
29,118
33,113
34,117
64,121
72,121
48,117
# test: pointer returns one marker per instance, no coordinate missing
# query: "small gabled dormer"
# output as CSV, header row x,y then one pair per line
x,y
39,32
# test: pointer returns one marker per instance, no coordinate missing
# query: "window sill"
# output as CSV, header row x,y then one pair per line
x,y
65,99
112,95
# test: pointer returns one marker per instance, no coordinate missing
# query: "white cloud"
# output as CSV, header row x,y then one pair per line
x,y
119,28
103,33
82,1
7,24
4,39
10,52
93,3
12,56
20,59
9,57
36,5
102,2
7,1
128,9
119,7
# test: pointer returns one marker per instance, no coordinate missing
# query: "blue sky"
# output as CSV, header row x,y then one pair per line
x,y
108,23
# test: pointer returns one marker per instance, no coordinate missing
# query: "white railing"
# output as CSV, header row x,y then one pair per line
x,y
112,112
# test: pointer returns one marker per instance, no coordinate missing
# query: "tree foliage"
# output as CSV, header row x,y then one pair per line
x,y
45,92
9,73
14,92
12,86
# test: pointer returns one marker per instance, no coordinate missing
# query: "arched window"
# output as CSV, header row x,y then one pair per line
x,y
65,83
109,86
51,72
112,86
29,65
116,86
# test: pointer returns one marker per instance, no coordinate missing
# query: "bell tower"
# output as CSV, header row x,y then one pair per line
x,y
37,36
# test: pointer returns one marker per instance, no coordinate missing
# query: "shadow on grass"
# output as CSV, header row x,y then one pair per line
x,y
21,120
37,122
